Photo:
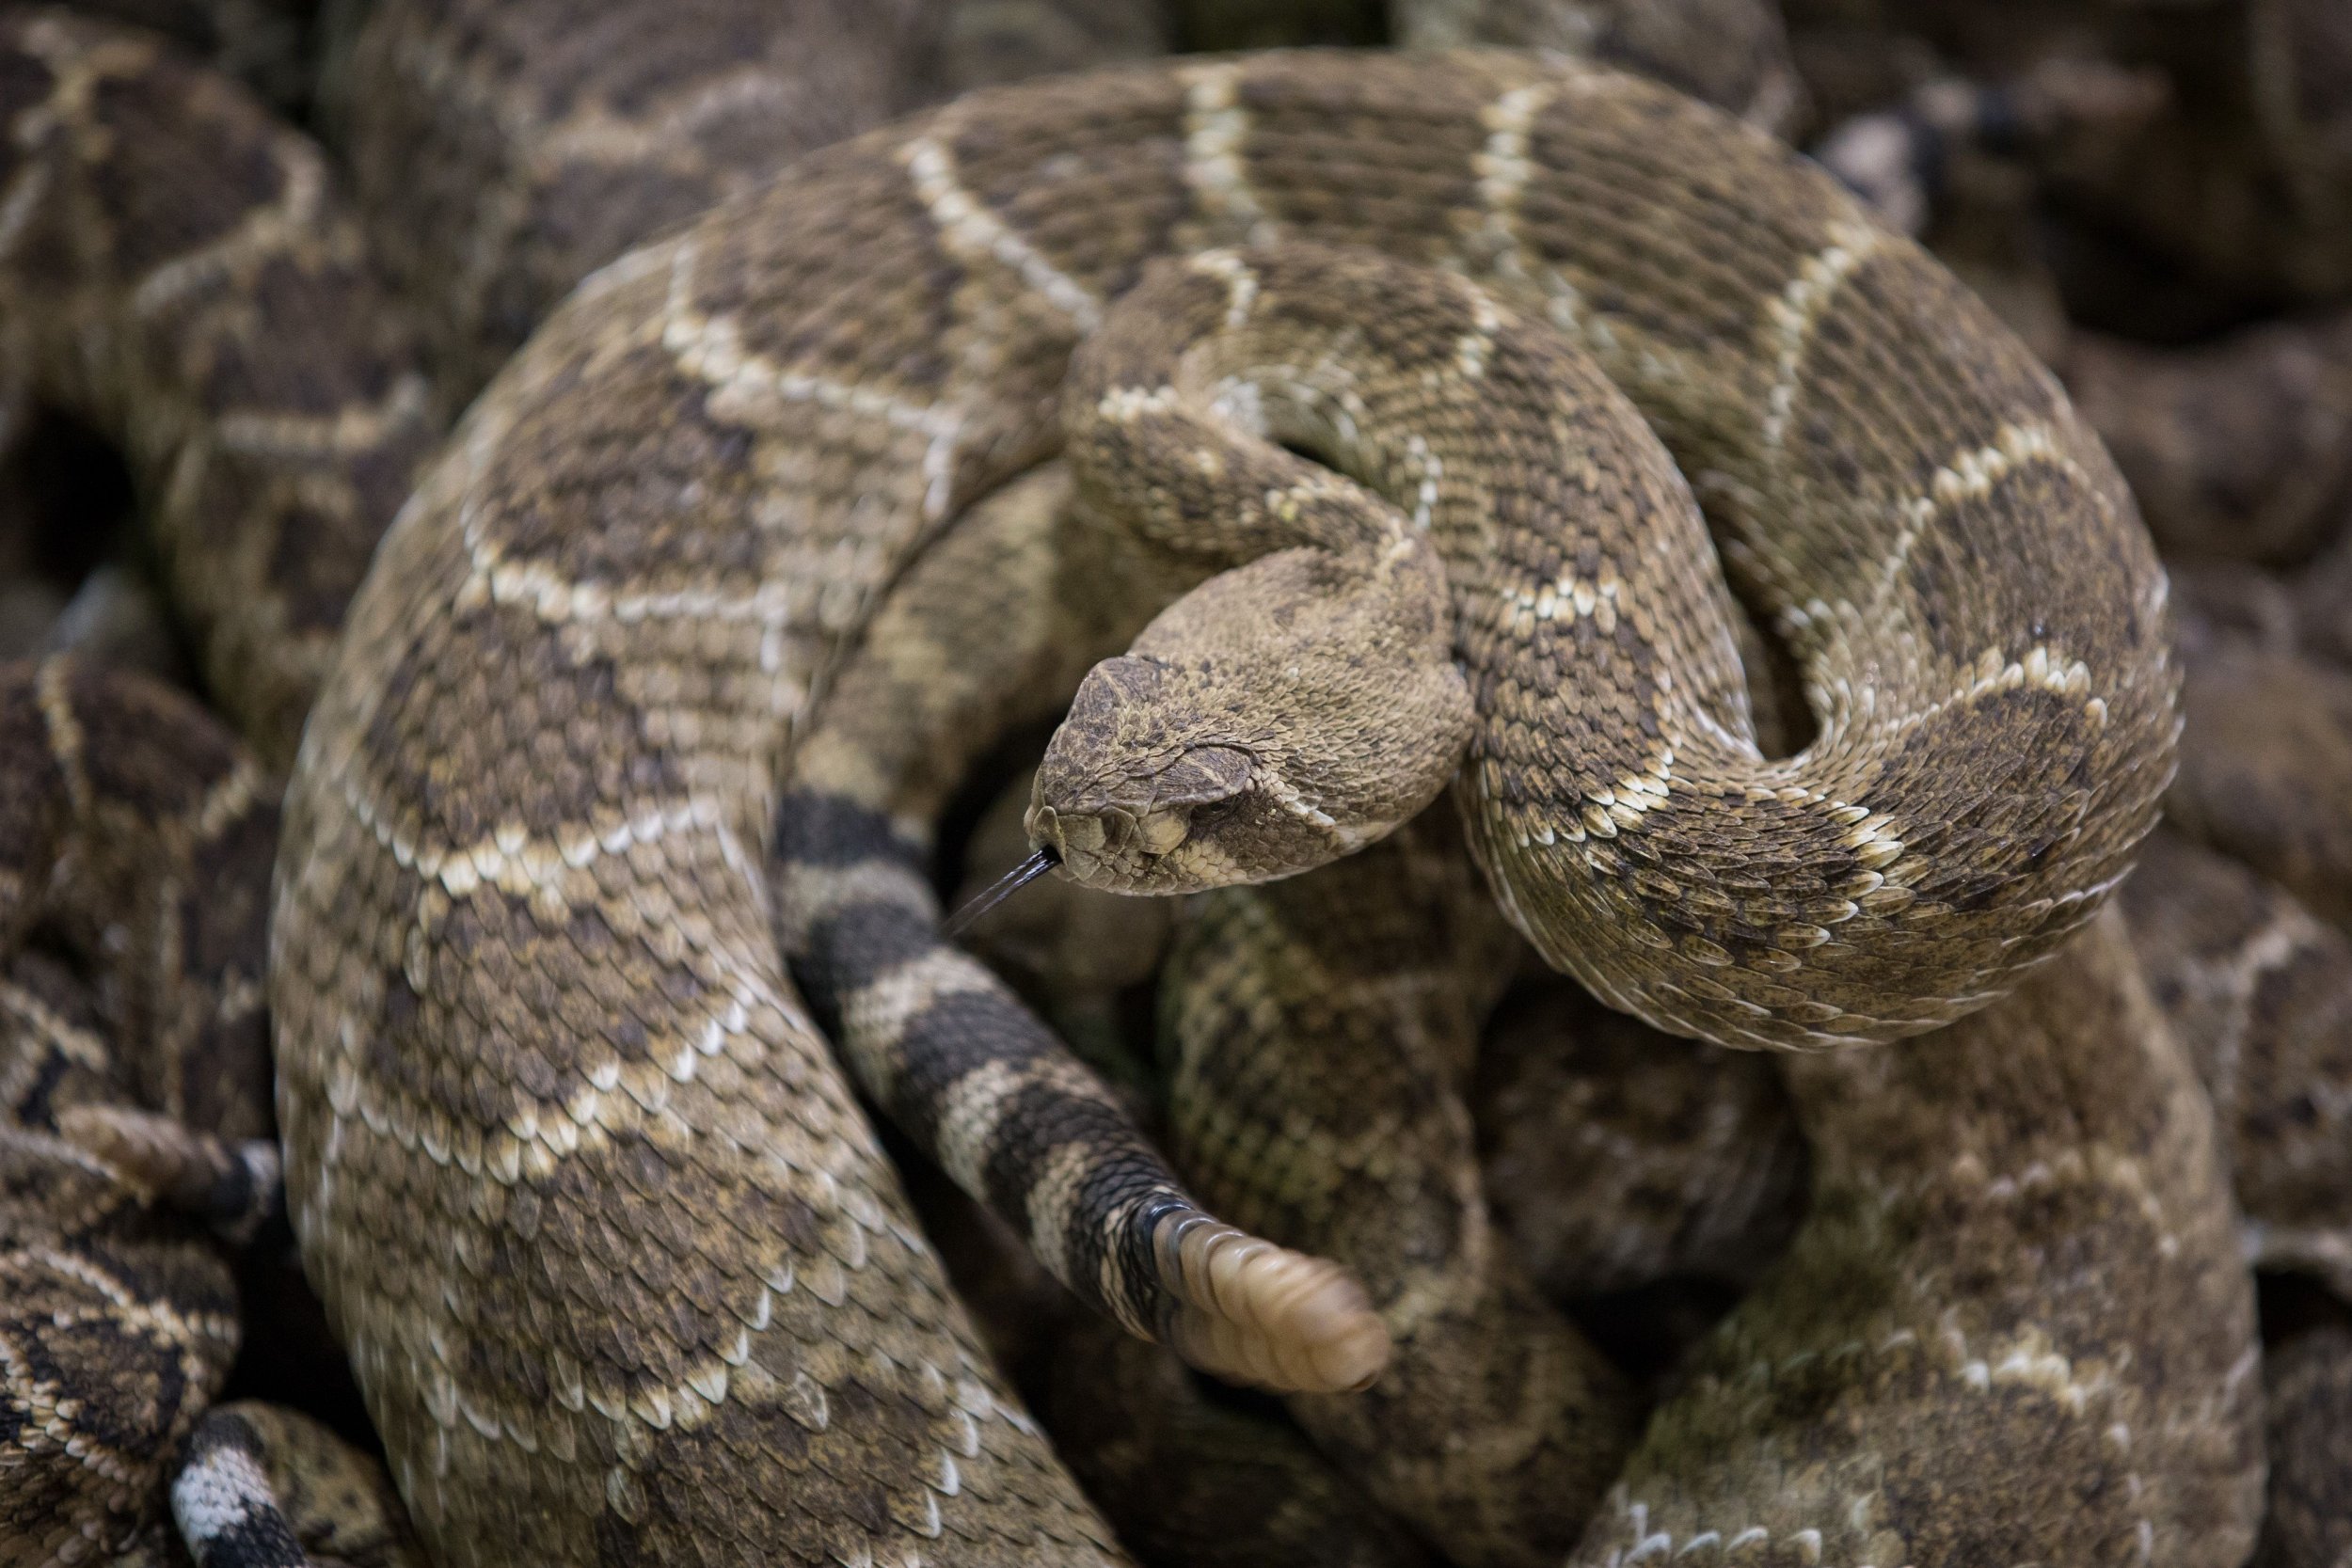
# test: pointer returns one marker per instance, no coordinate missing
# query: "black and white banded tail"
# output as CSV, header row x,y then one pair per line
x,y
988,1091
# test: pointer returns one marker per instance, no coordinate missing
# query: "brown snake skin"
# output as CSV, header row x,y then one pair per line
x,y
1615,1157
2259,992
161,212
271,462
503,151
1191,1473
87,54
1295,707
2310,1390
1495,1427
143,853
2255,989
1193,1482
2033,1218
121,1323
141,846
2268,1011
1733,54
264,44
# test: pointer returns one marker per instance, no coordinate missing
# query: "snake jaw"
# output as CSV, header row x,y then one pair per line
x,y
1118,845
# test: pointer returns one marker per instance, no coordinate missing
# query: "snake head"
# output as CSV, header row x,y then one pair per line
x,y
1116,794
1279,717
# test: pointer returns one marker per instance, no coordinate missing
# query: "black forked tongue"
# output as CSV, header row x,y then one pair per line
x,y
1004,887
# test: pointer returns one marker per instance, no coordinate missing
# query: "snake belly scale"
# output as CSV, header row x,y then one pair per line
x,y
623,1273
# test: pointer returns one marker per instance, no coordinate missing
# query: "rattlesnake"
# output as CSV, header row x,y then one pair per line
x,y
143,848
656,769
2252,983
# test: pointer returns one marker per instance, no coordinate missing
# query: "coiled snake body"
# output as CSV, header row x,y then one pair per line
x,y
619,1265
1959,811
